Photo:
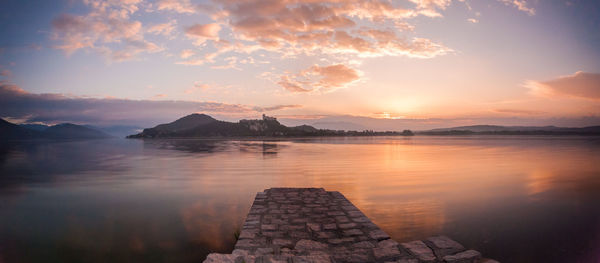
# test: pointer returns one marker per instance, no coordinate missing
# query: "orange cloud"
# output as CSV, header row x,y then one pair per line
x,y
203,32
580,85
317,78
186,53
330,27
518,111
429,7
178,6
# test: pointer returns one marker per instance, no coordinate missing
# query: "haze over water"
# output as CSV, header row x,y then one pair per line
x,y
514,198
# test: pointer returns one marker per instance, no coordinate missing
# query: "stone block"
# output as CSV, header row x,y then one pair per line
x,y
311,259
272,233
378,234
310,245
268,227
353,232
419,250
349,208
469,256
355,214
363,244
283,242
386,253
342,219
443,246
313,227
246,243
248,234
220,258
361,219
348,225
335,213
264,251
329,226
299,234
326,235
387,243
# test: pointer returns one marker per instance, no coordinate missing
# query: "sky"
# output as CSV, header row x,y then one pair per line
x,y
380,64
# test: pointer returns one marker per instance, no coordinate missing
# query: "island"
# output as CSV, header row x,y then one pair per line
x,y
202,125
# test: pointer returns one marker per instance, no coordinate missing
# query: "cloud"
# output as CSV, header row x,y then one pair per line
x,y
5,73
518,111
178,6
197,85
430,7
317,78
17,103
334,27
521,5
276,107
165,29
106,29
186,53
202,32
580,85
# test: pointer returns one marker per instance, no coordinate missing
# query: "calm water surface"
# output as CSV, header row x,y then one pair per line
x,y
514,198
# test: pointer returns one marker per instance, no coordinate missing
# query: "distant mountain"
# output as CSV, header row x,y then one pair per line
x,y
361,123
11,131
200,125
489,128
35,127
339,125
513,130
120,131
73,131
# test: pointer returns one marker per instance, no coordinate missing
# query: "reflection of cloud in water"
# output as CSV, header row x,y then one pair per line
x,y
418,218
46,161
210,222
182,198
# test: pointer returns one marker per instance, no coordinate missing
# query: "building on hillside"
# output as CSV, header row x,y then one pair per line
x,y
267,118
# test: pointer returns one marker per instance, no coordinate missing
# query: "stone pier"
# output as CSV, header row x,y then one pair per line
x,y
314,225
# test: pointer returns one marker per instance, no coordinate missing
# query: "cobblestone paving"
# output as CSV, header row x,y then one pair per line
x,y
313,225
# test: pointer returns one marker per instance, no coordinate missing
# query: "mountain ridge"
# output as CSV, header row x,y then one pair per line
x,y
64,131
512,130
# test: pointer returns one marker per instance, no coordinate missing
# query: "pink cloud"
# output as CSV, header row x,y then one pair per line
x,y
202,32
311,27
521,5
186,53
317,78
430,7
580,85
5,73
107,29
165,29
178,6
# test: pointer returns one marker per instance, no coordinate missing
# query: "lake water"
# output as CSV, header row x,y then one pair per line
x,y
514,198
